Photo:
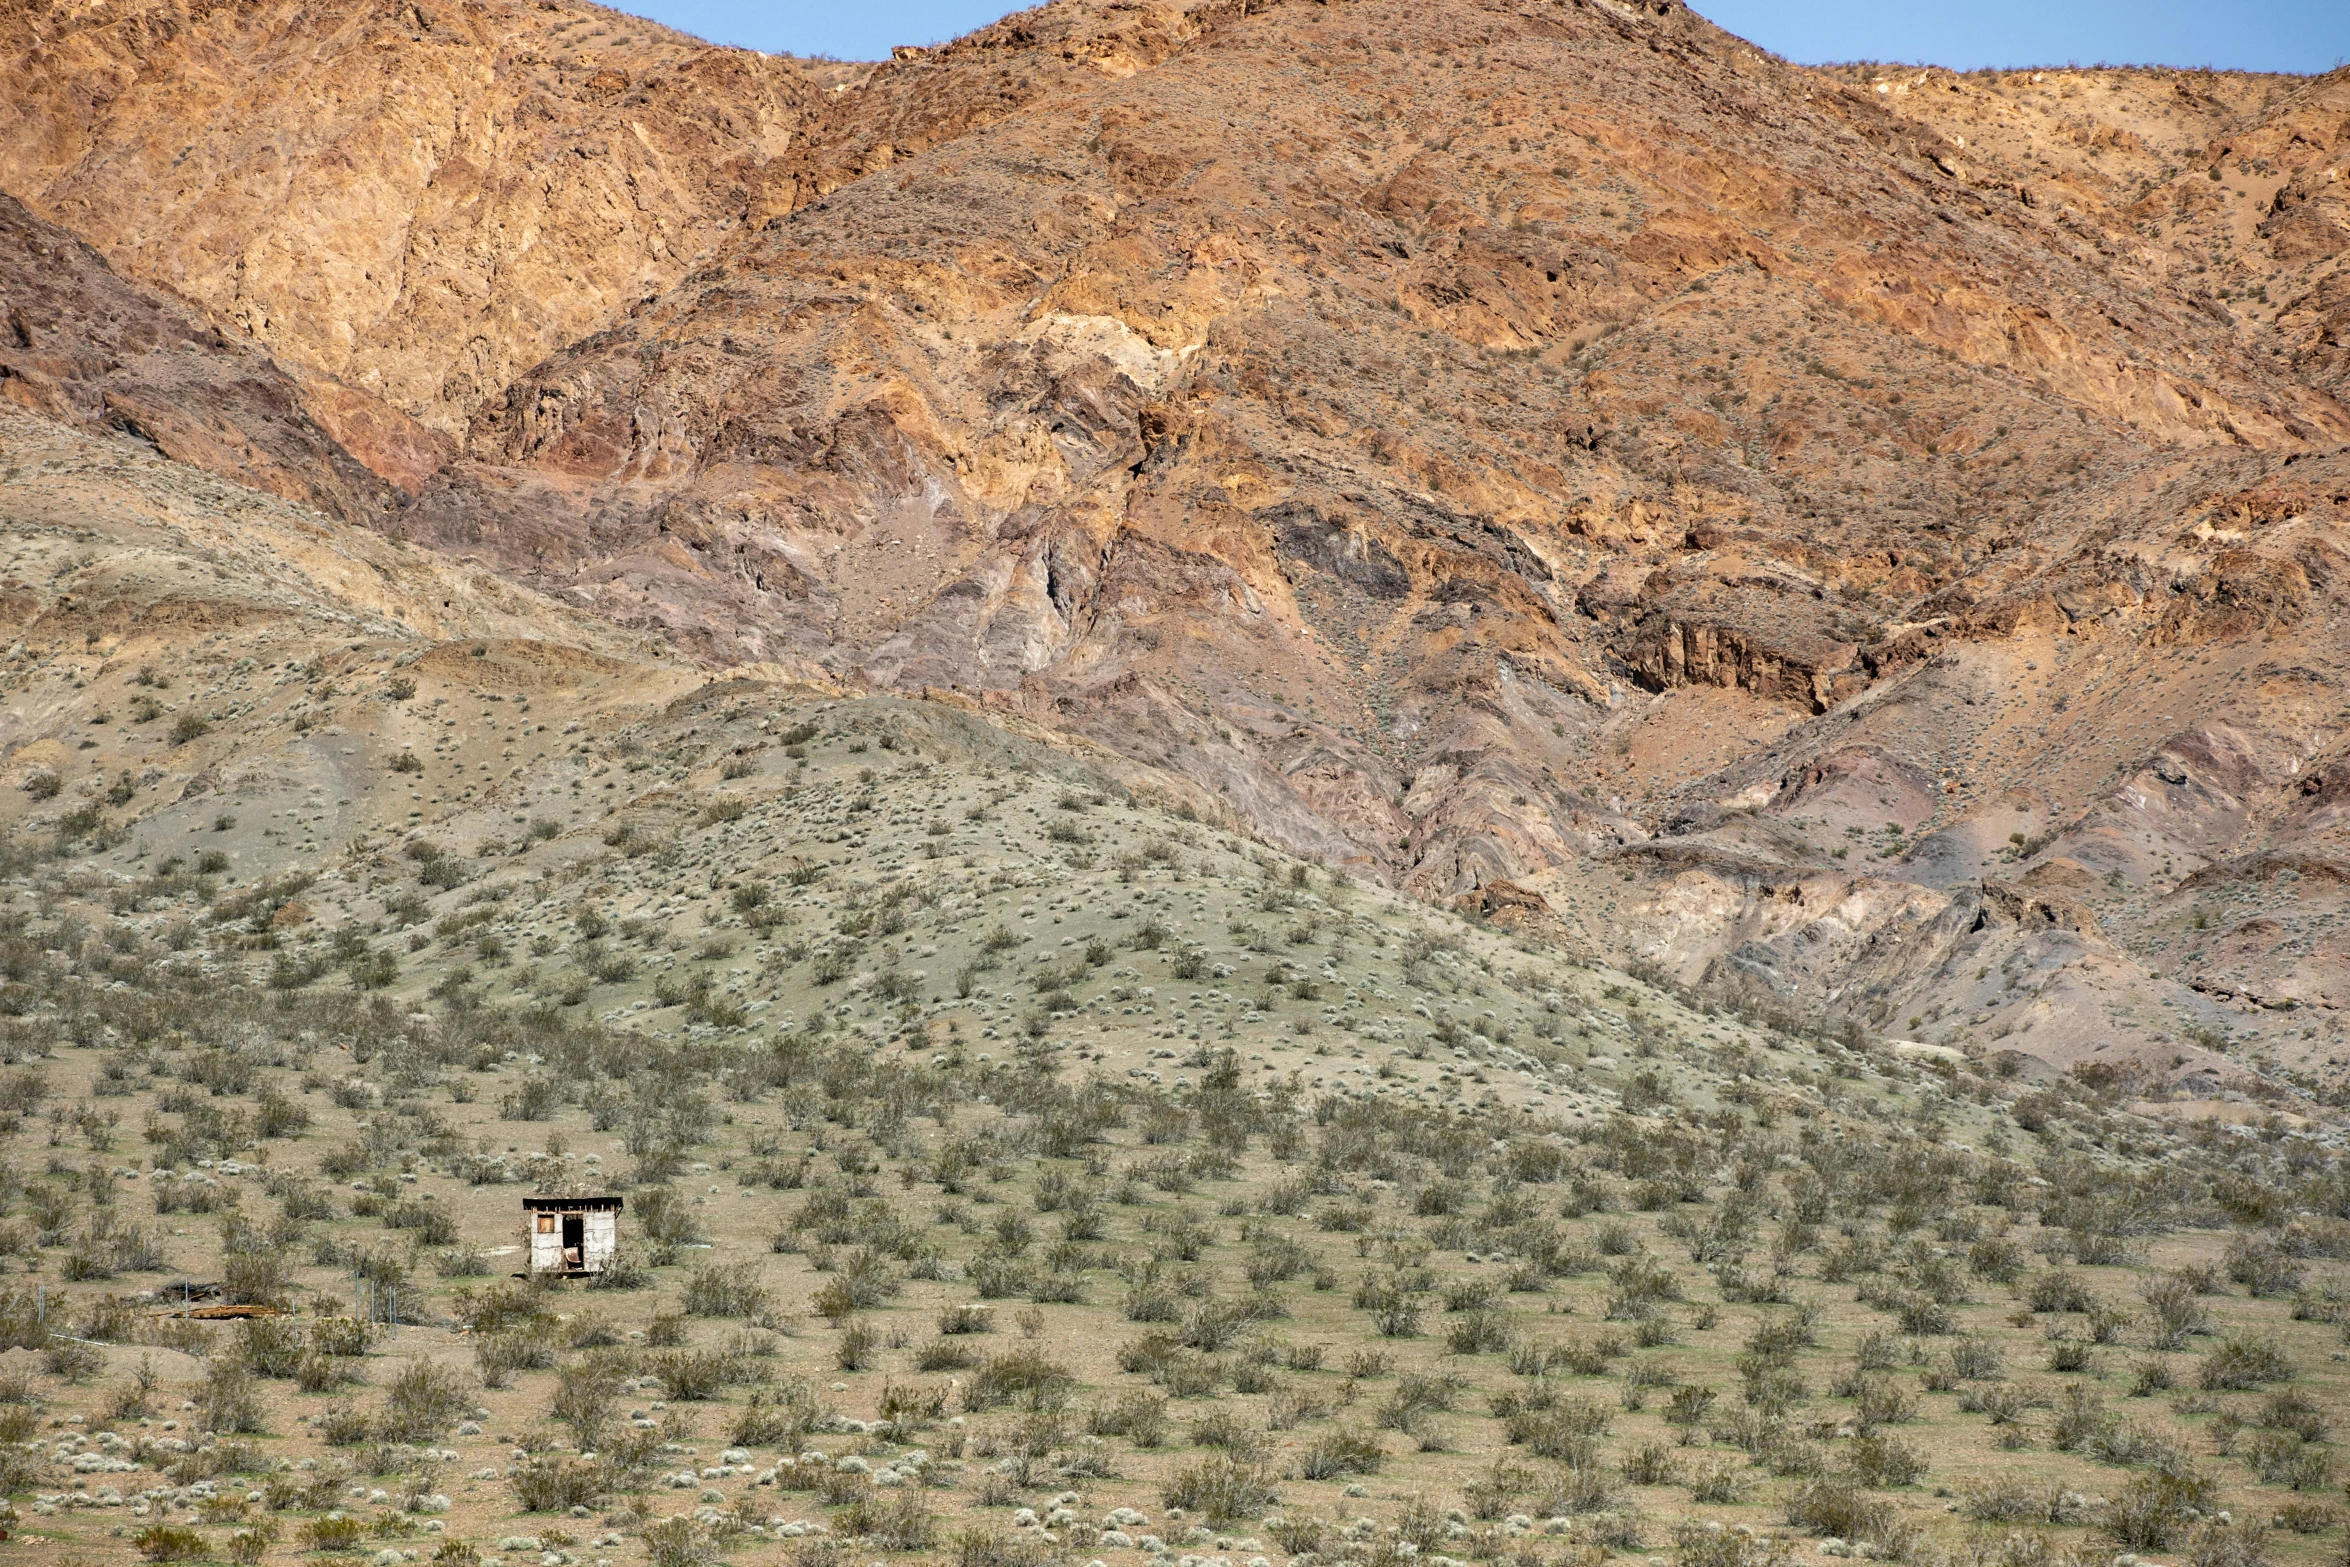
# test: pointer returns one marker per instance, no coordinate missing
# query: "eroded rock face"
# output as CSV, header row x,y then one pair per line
x,y
419,199
1874,543
82,346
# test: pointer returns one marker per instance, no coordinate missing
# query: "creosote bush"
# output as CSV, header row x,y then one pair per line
x,y
1222,1487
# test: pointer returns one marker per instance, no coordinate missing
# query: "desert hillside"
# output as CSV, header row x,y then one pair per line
x,y
1279,785
1015,1166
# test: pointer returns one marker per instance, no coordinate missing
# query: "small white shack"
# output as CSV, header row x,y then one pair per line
x,y
571,1236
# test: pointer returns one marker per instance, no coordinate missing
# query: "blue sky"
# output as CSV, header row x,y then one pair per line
x,y
2266,35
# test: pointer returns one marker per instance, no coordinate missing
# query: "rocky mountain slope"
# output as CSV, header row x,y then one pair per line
x,y
2224,186
1862,542
417,200
83,346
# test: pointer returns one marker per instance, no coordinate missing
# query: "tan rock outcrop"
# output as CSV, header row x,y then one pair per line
x,y
421,200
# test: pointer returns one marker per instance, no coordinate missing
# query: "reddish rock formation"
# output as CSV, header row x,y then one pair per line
x,y
83,347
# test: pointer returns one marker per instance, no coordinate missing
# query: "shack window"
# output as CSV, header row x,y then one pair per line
x,y
546,1224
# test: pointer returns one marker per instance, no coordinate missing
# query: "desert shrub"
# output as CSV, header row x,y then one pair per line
x,y
945,1354
1395,1308
250,1544
1578,1489
1921,1314
71,1360
431,1223
840,1486
1139,1416
986,1548
1651,1463
679,1542
1297,1535
1686,1408
255,1278
500,1355
902,1523
339,1336
1975,1359
323,1373
2128,1442
725,1290
966,1319
774,1418
423,1401
2306,1517
334,1532
271,1346
2234,1543
2295,1412
504,1308
1880,1401
913,1403
1190,1375
169,1543
2283,1458
556,1486
2243,1361
106,1247
993,1276
1568,1432
586,1394
1222,1488
1840,1509
1022,1376
1226,1428
1341,1452
1884,1462
1997,1259
1706,1543
1477,1332
231,1398
2008,1499
2261,1265
1417,1394
2057,1290
1618,1528
624,1271
340,1425
691,1376
665,1217
1718,1483
2154,1508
